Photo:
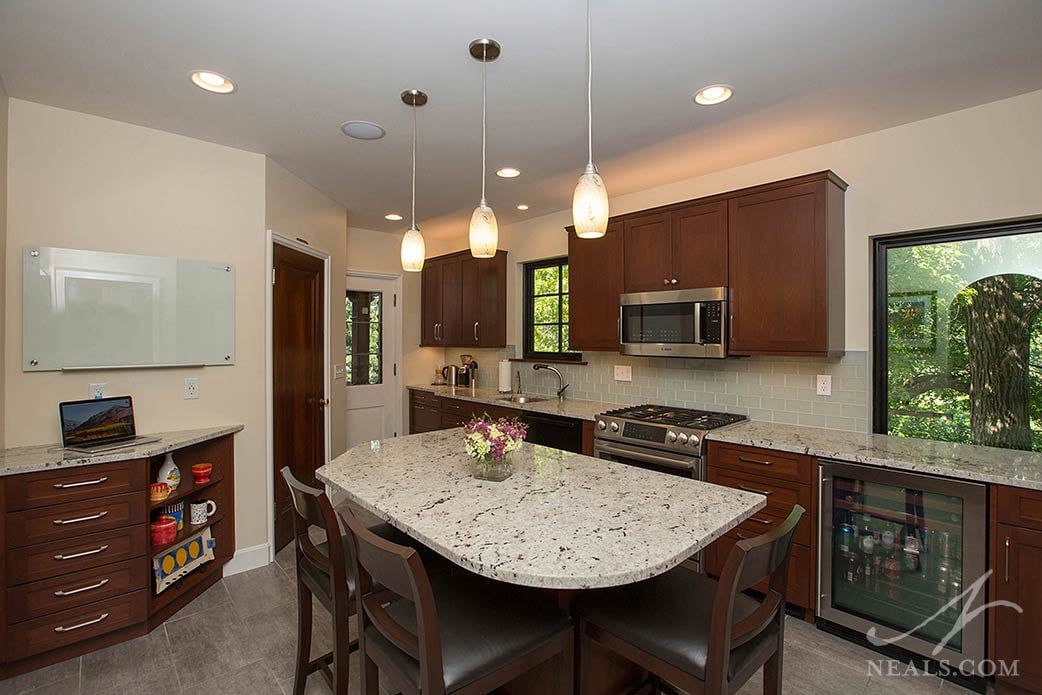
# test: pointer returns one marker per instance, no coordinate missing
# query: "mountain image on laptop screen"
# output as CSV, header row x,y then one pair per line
x,y
95,421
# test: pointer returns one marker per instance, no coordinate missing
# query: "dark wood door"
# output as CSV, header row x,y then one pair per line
x,y
699,253
649,250
777,255
430,303
298,379
1017,565
594,285
451,302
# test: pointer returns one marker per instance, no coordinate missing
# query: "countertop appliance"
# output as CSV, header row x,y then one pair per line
x,y
674,323
898,554
662,438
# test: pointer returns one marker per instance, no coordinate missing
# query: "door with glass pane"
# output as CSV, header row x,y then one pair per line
x,y
900,554
370,338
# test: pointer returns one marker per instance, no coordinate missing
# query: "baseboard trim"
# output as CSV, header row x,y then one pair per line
x,y
246,559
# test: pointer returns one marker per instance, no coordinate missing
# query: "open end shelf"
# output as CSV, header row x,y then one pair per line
x,y
188,531
184,490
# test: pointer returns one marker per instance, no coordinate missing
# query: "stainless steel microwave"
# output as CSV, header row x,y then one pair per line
x,y
674,323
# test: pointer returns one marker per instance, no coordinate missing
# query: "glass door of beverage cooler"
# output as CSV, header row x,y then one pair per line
x,y
900,554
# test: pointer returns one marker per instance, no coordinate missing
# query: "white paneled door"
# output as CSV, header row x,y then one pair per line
x,y
372,325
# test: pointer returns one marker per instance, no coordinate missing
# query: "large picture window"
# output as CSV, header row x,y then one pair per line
x,y
546,310
958,335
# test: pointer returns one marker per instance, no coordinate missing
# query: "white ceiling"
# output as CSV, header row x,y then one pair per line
x,y
804,71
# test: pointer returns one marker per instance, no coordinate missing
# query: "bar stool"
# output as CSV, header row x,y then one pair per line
x,y
458,634
695,633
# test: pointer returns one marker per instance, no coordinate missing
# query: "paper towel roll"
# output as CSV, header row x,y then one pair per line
x,y
504,376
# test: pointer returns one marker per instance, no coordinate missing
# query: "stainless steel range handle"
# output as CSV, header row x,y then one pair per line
x,y
686,464
62,628
65,486
70,592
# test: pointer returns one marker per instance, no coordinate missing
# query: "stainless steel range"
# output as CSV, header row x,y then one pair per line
x,y
670,440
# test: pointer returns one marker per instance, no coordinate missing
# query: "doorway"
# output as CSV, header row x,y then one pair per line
x,y
299,344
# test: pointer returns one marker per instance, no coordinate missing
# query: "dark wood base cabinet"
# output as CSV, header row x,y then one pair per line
x,y
76,568
1016,563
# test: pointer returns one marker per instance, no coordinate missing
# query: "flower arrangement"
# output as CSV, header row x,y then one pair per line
x,y
488,442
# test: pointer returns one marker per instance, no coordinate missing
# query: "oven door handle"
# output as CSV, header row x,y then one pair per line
x,y
686,464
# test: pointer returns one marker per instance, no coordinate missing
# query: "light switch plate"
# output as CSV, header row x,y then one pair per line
x,y
824,384
191,388
339,370
623,372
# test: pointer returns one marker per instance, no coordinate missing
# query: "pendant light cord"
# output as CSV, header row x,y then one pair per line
x,y
414,164
589,85
484,76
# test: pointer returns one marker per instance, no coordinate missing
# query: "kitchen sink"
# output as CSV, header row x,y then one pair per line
x,y
515,398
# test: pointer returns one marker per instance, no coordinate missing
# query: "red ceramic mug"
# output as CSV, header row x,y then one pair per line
x,y
164,530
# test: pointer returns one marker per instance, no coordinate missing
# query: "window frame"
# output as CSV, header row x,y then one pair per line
x,y
348,372
528,326
880,395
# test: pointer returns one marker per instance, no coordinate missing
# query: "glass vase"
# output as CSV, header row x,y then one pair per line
x,y
487,468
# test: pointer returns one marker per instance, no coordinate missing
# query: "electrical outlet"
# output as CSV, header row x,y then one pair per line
x,y
824,384
623,372
97,391
191,388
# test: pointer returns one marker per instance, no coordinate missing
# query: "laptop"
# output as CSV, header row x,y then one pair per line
x,y
98,425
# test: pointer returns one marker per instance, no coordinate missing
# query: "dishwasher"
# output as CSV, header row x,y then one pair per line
x,y
555,432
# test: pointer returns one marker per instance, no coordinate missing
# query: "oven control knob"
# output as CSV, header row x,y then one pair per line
x,y
693,440
601,425
672,437
682,439
614,427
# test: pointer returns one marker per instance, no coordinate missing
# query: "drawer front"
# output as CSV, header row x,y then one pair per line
x,y
782,495
761,522
72,484
1019,507
74,519
456,407
77,589
423,419
63,557
75,625
801,574
449,421
762,462
425,398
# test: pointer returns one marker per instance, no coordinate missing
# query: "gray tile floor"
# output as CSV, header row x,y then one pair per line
x,y
239,639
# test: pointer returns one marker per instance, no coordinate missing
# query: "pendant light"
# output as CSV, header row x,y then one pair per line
x,y
590,200
484,231
413,248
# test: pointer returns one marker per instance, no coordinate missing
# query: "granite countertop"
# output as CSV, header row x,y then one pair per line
x,y
562,521
964,461
580,410
26,459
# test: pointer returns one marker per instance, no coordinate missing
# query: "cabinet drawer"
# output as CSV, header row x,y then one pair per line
x,y
801,574
72,484
77,589
782,495
761,522
1019,507
72,555
75,625
456,407
762,462
74,519
448,421
426,398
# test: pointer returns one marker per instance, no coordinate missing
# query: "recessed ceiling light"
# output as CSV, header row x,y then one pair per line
x,y
363,130
393,217
522,206
213,82
713,94
508,173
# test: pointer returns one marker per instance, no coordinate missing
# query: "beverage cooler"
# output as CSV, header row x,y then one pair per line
x,y
897,550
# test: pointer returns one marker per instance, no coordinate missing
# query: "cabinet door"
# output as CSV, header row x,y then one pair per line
x,y
470,307
451,302
594,286
430,303
1017,566
423,419
649,249
777,255
483,301
699,250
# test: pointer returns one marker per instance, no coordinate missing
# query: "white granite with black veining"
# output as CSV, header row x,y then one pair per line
x,y
964,461
580,410
562,521
26,459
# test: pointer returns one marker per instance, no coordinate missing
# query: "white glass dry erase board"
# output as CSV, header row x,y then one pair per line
x,y
95,310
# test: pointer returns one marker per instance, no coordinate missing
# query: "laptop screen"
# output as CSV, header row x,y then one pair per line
x,y
96,421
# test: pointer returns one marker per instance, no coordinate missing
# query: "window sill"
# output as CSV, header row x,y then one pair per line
x,y
544,361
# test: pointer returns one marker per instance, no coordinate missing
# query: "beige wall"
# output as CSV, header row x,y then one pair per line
x,y
296,210
3,239
85,182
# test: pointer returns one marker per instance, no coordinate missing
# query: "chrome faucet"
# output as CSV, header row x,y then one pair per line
x,y
518,392
561,386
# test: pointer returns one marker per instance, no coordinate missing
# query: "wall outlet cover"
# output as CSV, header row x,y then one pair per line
x,y
191,388
824,384
97,391
623,372
339,371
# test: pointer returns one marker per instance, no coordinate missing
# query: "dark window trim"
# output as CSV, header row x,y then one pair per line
x,y
529,312
880,293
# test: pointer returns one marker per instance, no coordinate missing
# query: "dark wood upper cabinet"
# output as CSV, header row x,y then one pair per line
x,y
595,281
463,301
785,254
699,251
649,252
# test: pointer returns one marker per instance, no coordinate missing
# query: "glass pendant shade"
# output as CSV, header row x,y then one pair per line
x,y
590,205
413,251
484,232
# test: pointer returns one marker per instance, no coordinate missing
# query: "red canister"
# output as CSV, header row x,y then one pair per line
x,y
164,530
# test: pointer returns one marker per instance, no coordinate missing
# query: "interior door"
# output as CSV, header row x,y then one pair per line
x,y
298,377
648,265
372,337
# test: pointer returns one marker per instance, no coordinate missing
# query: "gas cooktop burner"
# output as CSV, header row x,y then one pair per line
x,y
676,417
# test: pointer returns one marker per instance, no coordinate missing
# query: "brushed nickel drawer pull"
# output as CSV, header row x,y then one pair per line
x,y
70,592
92,517
766,493
757,461
743,537
475,331
62,628
63,486
765,522
1006,576
99,549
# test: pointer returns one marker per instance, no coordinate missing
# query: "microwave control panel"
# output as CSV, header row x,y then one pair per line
x,y
712,323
